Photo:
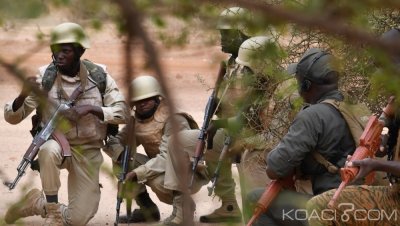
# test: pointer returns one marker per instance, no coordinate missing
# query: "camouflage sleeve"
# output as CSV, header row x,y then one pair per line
x,y
356,206
157,165
30,104
115,110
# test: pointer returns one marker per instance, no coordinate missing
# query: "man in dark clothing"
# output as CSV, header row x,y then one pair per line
x,y
318,128
368,205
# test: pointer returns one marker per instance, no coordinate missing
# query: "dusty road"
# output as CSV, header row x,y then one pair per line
x,y
189,71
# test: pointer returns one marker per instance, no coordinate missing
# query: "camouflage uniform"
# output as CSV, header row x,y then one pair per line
x,y
152,130
357,206
226,185
86,139
152,134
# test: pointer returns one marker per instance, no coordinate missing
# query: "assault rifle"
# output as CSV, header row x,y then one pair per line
x,y
126,157
269,195
208,114
370,141
221,158
41,137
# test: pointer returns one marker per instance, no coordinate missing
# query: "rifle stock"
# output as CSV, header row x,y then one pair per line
x,y
269,195
369,143
126,158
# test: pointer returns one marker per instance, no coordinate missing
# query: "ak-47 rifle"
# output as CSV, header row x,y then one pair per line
x,y
221,158
208,114
42,136
269,195
370,142
126,158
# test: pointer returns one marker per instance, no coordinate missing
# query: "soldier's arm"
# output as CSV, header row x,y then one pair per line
x,y
156,165
23,104
115,109
300,140
368,165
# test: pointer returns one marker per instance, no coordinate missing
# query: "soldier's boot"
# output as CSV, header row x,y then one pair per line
x,y
176,217
53,215
229,212
29,205
148,211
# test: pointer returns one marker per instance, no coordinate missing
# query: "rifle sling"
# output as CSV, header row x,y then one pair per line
x,y
63,142
60,137
323,161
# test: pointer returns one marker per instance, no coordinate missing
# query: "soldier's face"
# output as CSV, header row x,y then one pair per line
x,y
230,41
145,106
64,56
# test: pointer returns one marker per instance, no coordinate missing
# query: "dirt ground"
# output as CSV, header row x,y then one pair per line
x,y
189,71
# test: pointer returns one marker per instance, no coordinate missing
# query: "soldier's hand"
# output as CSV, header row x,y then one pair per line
x,y
366,166
73,114
131,176
82,110
70,114
28,85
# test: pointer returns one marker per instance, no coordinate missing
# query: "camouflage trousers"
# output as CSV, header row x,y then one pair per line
x,y
156,182
83,180
357,206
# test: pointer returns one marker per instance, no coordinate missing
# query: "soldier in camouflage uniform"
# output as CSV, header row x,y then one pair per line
x,y
268,118
87,121
367,205
319,127
233,34
152,129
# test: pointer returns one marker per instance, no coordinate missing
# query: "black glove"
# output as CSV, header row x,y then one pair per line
x,y
212,130
35,165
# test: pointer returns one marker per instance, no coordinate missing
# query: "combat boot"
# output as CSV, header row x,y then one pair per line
x,y
176,217
53,215
29,205
148,211
229,212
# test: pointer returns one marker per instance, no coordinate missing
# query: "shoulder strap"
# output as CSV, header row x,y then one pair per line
x,y
355,124
192,123
96,74
49,77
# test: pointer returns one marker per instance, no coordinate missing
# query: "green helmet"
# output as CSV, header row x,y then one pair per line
x,y
145,86
232,18
251,53
69,33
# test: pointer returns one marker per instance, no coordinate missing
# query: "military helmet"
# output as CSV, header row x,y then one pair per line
x,y
69,33
251,53
145,86
314,65
232,18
